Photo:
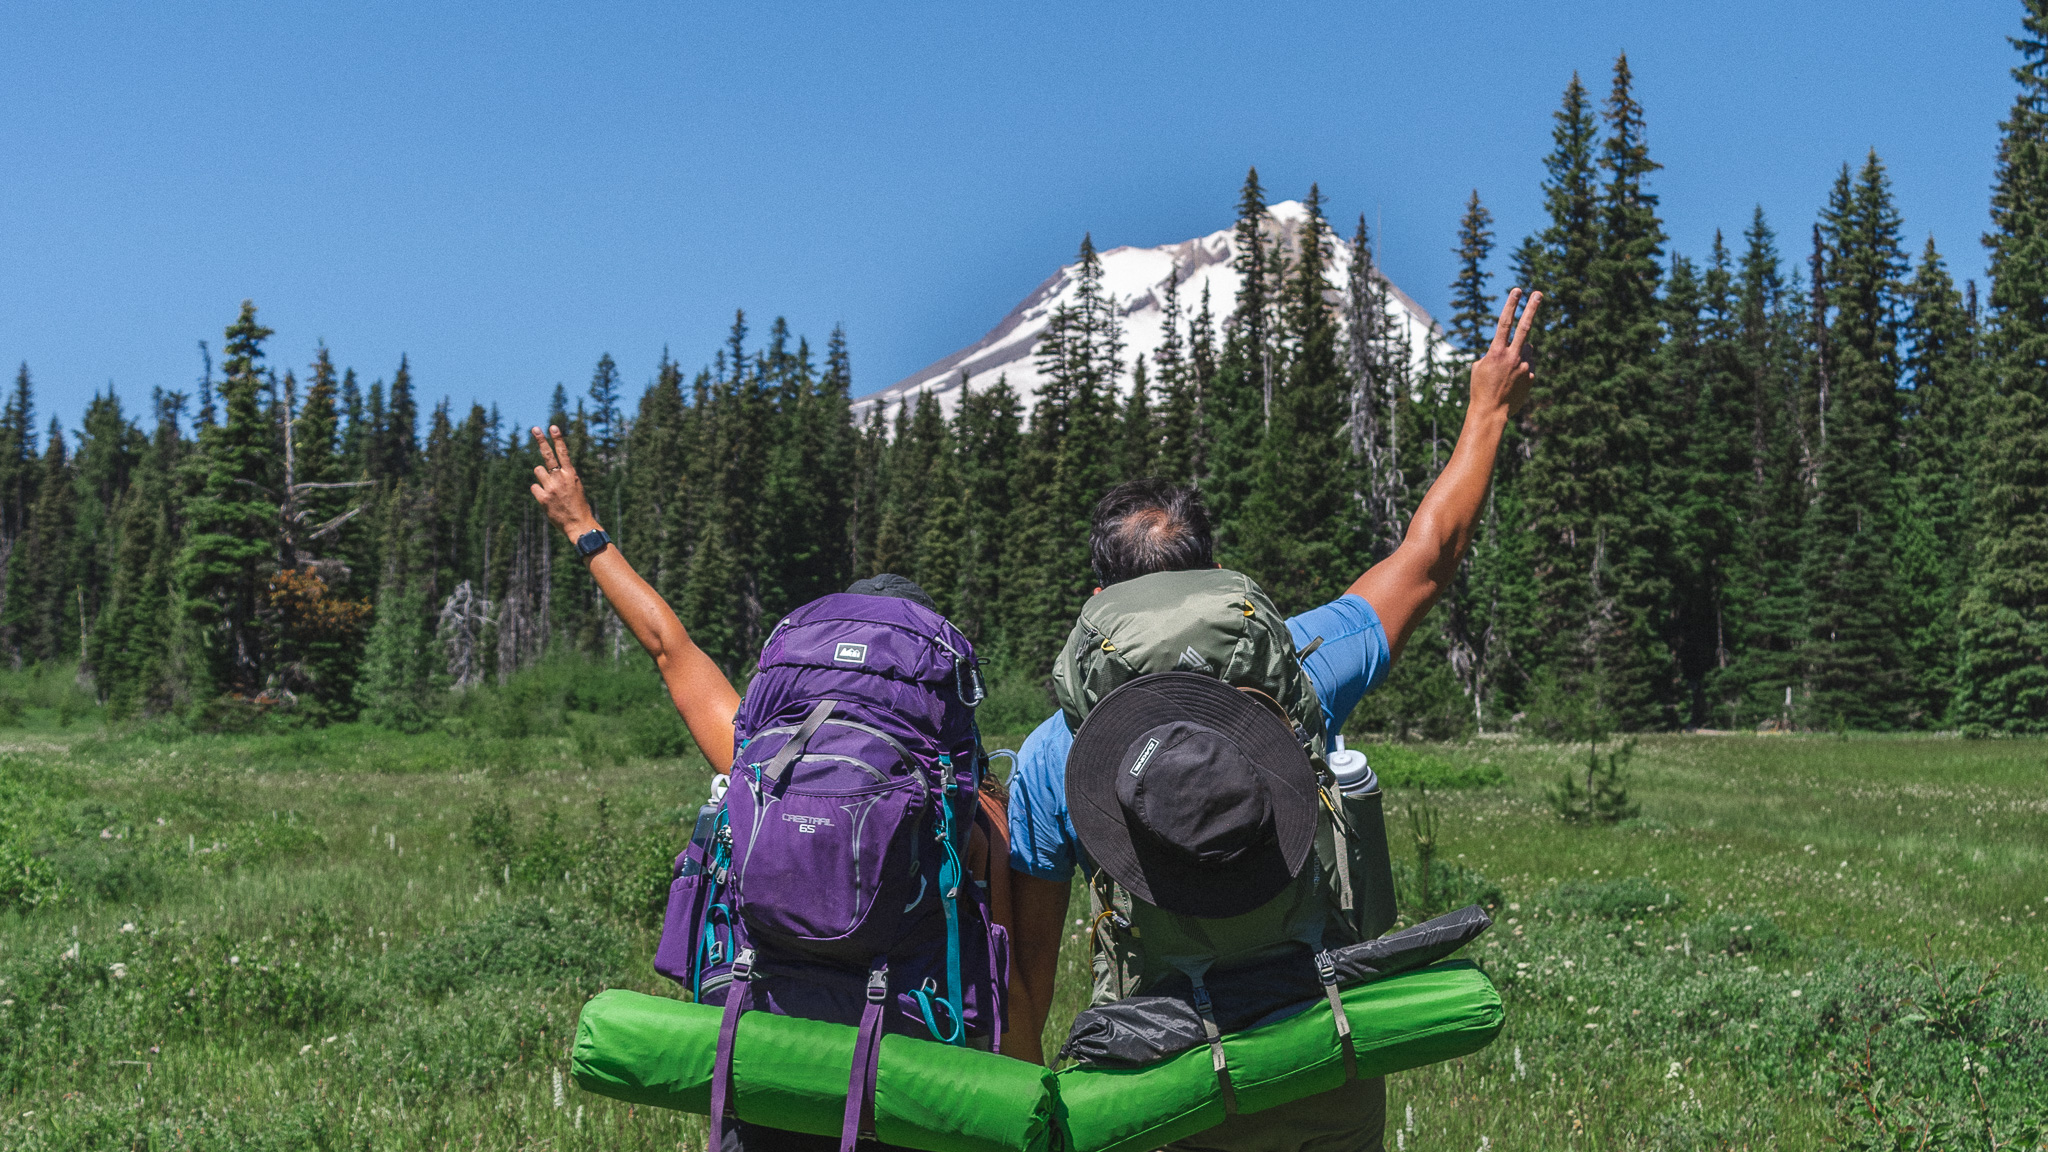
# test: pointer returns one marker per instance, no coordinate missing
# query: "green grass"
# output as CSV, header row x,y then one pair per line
x,y
350,938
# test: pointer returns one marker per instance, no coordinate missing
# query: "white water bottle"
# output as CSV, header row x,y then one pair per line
x,y
1354,776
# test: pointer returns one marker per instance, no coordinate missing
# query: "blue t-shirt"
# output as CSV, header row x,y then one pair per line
x,y
1353,658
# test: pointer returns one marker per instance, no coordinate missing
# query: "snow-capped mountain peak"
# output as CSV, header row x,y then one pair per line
x,y
1136,279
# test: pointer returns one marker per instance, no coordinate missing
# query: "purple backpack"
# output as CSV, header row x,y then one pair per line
x,y
830,882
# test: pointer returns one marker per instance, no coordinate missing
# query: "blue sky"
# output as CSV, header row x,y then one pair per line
x,y
503,192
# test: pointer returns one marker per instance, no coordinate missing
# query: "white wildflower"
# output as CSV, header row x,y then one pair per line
x,y
1411,1118
1484,1144
117,970
70,953
1521,1069
305,1048
128,927
1672,1073
558,1088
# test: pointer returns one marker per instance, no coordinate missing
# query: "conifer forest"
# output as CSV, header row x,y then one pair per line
x,y
1796,480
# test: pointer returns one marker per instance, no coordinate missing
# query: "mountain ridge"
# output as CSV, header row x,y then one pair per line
x,y
1136,278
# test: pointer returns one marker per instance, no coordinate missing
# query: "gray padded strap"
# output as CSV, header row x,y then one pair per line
x,y
787,754
1215,1035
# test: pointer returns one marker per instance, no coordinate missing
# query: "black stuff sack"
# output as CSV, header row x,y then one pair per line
x,y
1145,1029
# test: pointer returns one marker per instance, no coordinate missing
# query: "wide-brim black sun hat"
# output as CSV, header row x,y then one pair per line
x,y
1192,795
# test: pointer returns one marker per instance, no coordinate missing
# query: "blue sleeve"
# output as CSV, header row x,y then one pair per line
x,y
1353,657
1043,843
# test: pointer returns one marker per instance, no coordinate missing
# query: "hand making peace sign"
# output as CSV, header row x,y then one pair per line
x,y
1502,376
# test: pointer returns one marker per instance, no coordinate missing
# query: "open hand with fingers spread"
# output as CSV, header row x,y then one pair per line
x,y
1501,377
558,488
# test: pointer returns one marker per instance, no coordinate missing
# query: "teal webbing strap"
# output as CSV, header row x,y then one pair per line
x,y
950,874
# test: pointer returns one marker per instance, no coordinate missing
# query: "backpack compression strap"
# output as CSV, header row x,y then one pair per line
x,y
1215,1035
787,754
728,1027
859,1118
1326,971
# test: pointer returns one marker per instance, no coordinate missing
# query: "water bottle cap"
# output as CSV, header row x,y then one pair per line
x,y
1352,772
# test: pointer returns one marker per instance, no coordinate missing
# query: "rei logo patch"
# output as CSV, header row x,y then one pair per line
x,y
850,654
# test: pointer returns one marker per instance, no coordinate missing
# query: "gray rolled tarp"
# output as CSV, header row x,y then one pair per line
x,y
1140,1030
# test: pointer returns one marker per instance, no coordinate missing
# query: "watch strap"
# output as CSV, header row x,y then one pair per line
x,y
591,543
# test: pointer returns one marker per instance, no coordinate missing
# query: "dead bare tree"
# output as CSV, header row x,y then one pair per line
x,y
465,616
523,612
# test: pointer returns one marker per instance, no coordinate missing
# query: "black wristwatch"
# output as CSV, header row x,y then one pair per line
x,y
591,543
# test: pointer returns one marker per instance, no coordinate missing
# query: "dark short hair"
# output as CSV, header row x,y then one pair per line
x,y
1146,526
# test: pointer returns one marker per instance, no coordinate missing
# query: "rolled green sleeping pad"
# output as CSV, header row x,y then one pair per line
x,y
791,1073
1432,1014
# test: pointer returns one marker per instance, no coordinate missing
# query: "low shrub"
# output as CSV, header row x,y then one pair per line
x,y
528,943
1451,886
1405,766
1017,702
658,733
1622,899
1744,934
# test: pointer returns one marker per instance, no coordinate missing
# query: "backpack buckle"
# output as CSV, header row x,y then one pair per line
x,y
878,984
1326,968
743,965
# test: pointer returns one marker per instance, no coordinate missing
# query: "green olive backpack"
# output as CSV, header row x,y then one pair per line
x,y
1219,622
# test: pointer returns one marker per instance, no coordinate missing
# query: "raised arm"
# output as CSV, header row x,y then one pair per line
x,y
700,691
1403,587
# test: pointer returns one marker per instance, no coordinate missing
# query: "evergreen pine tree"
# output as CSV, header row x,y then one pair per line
x,y
129,647
1570,480
654,475
2002,664
43,571
1376,356
110,447
1234,415
1474,312
400,448
1854,656
988,432
1299,537
1940,451
402,668
1140,427
18,459
1180,399
230,545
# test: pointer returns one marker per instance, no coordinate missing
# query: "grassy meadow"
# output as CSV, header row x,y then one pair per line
x,y
353,938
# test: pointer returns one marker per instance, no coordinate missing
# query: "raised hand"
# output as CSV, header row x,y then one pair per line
x,y
557,487
1502,376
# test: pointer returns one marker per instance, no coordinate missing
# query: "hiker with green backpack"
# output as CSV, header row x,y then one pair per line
x,y
1209,847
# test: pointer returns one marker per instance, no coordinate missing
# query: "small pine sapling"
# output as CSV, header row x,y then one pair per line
x,y
1422,823
1604,797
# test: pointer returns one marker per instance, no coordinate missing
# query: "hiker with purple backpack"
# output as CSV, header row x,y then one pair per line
x,y
1207,852
830,878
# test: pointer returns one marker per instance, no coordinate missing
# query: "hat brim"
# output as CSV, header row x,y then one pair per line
x,y
1177,884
